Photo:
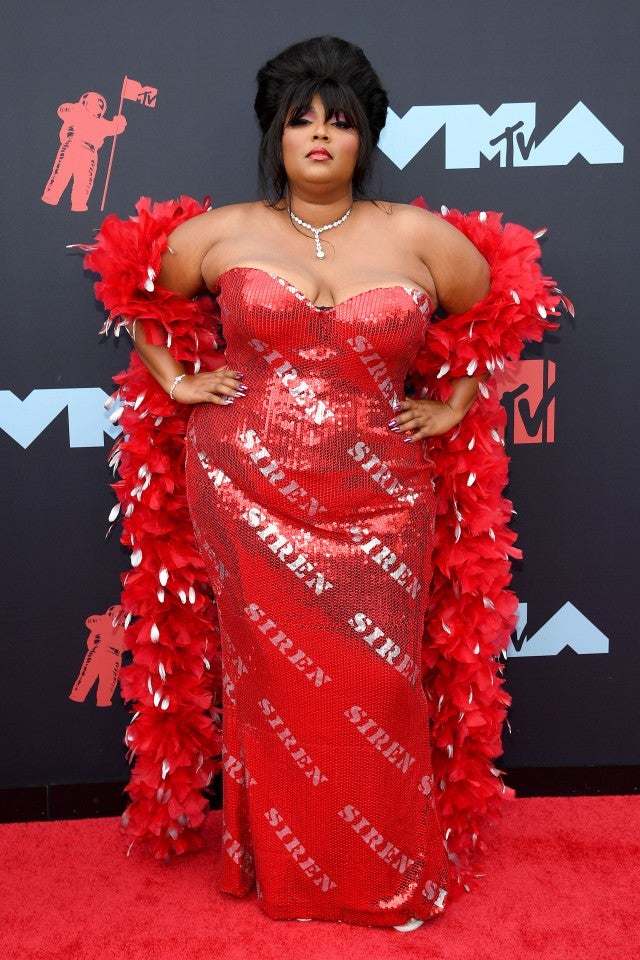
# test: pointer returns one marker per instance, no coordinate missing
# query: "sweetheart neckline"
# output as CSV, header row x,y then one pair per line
x,y
409,290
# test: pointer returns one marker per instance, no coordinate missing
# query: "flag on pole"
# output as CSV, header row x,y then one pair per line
x,y
133,90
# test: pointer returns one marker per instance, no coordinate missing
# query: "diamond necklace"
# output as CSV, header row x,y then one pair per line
x,y
316,231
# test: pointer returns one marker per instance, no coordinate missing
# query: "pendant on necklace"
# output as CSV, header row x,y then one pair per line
x,y
316,231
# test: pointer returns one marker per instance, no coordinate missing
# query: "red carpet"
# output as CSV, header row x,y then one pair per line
x,y
562,883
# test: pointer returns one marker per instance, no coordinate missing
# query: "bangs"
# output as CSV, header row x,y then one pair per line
x,y
336,100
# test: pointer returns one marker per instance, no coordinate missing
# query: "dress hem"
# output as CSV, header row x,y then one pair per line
x,y
295,912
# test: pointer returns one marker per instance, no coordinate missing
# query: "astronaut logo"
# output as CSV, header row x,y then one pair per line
x,y
84,129
529,397
105,644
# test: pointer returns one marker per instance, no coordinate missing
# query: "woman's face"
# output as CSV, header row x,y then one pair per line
x,y
318,149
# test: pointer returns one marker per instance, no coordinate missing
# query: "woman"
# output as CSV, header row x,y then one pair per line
x,y
311,484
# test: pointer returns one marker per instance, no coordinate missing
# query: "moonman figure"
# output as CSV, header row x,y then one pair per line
x,y
103,658
83,132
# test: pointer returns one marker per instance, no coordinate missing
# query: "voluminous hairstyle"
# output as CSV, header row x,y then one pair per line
x,y
346,82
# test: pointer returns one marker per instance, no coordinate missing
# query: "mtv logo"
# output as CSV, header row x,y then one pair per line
x,y
528,395
148,97
566,628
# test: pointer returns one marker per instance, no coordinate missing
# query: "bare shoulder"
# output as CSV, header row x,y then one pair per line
x,y
405,220
208,227
190,242
460,272
423,223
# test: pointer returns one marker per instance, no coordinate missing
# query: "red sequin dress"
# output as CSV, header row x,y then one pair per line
x,y
315,522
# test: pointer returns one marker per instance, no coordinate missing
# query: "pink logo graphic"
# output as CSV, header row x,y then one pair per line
x,y
529,397
132,90
84,130
105,644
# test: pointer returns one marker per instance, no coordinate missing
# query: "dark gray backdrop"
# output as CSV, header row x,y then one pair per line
x,y
576,497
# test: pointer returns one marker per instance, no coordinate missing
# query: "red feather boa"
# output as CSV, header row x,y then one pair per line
x,y
471,612
174,680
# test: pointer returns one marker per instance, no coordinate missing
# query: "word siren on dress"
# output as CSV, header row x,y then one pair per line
x,y
340,594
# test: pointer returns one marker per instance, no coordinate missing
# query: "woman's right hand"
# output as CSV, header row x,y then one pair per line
x,y
220,386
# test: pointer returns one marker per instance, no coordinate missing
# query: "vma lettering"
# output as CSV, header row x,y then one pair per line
x,y
566,628
24,420
509,134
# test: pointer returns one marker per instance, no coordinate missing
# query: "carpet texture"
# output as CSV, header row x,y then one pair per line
x,y
559,885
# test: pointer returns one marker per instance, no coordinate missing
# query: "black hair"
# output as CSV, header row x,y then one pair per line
x,y
341,74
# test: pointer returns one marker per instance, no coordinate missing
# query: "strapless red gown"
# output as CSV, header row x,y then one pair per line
x,y
315,521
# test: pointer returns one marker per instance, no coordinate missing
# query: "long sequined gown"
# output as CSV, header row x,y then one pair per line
x,y
315,521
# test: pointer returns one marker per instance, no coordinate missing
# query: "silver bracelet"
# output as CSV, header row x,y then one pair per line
x,y
175,383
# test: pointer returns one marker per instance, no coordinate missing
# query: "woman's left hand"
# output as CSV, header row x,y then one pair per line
x,y
418,419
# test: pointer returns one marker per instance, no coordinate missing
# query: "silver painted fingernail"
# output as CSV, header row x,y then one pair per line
x,y
229,400
407,439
